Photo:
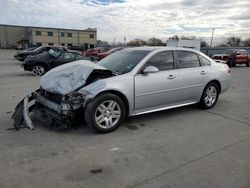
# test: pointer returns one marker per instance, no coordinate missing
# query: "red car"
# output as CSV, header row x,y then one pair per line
x,y
104,54
233,57
94,51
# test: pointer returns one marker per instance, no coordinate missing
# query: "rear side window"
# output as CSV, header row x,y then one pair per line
x,y
204,61
68,56
187,59
163,61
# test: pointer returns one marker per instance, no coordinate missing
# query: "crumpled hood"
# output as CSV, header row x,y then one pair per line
x,y
69,77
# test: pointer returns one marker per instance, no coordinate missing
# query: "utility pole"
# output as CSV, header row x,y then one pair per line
x,y
124,38
114,41
211,43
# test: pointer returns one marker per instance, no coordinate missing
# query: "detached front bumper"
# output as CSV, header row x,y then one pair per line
x,y
22,110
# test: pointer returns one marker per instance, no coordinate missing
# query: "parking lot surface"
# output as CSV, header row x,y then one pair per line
x,y
184,147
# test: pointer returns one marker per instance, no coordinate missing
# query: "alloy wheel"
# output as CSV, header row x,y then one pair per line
x,y
210,95
107,114
38,70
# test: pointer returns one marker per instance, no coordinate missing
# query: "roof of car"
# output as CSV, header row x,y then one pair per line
x,y
152,48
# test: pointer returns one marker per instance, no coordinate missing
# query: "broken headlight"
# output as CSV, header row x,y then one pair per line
x,y
73,98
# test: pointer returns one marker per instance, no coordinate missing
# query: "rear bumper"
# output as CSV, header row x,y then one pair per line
x,y
225,84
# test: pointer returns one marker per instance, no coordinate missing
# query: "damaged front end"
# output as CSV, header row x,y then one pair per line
x,y
60,107
61,95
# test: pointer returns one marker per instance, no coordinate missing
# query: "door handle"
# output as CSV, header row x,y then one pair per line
x,y
171,77
203,72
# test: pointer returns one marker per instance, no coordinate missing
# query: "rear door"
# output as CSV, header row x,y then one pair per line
x,y
159,89
193,76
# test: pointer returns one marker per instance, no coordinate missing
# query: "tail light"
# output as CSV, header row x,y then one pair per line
x,y
229,70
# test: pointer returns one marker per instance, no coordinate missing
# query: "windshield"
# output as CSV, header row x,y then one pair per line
x,y
123,61
54,52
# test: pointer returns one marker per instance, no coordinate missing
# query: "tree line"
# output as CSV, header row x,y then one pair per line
x,y
232,41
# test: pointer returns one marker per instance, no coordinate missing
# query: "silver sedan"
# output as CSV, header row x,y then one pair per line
x,y
130,82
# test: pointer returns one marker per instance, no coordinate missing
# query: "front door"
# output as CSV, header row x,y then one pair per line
x,y
159,89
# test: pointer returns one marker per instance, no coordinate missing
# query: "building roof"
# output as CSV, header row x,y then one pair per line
x,y
85,30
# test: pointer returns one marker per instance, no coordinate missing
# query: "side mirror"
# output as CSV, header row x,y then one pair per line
x,y
150,69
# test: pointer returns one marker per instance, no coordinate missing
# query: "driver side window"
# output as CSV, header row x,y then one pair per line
x,y
163,61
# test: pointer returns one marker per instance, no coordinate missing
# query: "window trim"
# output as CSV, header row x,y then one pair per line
x,y
38,32
199,57
69,34
139,71
177,59
51,32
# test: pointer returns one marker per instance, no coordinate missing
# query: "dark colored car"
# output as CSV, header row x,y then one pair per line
x,y
33,51
41,63
105,54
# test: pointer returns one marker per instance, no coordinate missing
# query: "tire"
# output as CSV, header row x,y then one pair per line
x,y
209,96
247,64
38,70
105,113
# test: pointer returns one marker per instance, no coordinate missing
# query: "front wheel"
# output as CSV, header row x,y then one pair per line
x,y
105,113
247,64
38,70
209,96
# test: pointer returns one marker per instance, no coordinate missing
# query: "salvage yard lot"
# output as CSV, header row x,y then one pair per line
x,y
184,147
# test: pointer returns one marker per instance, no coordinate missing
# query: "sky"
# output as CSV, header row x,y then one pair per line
x,y
134,18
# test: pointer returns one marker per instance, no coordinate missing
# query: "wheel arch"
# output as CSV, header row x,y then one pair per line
x,y
46,66
120,95
217,82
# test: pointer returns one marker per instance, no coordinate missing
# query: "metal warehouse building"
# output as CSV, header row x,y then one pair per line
x,y
28,36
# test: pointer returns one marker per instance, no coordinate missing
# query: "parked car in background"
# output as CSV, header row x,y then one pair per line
x,y
23,54
129,82
27,50
39,64
220,61
105,54
233,57
93,52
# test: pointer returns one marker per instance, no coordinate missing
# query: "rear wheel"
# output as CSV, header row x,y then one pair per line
x,y
209,96
247,64
105,113
38,70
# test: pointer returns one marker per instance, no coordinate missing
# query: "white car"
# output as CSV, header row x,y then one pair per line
x,y
129,82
